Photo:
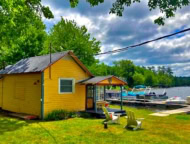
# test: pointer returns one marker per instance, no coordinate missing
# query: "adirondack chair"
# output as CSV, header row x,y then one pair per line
x,y
111,117
132,122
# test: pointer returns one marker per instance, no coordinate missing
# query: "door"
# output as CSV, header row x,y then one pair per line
x,y
89,97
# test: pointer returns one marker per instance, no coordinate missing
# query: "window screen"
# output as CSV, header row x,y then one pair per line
x,y
66,85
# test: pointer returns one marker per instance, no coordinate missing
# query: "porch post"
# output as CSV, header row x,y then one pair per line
x,y
104,93
121,98
95,108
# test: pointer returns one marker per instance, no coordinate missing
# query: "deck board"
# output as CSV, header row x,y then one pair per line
x,y
170,112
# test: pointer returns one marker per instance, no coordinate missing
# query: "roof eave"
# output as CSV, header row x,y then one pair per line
x,y
54,62
99,82
79,62
22,73
75,58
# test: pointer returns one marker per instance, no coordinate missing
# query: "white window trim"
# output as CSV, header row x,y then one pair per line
x,y
73,86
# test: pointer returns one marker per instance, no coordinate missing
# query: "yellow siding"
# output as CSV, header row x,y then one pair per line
x,y
22,93
64,68
1,90
114,81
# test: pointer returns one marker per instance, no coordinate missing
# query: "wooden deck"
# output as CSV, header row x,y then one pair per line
x,y
18,115
170,112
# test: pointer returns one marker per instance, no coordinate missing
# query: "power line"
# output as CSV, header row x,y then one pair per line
x,y
143,43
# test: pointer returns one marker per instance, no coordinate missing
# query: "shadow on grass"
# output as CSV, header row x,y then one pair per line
x,y
132,129
7,125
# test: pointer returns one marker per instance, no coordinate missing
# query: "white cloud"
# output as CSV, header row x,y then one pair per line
x,y
135,26
78,18
139,61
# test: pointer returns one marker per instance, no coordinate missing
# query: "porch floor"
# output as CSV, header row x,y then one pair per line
x,y
100,113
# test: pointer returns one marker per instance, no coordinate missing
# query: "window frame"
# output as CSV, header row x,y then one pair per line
x,y
73,85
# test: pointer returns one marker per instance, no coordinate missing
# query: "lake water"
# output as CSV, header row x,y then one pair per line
x,y
182,92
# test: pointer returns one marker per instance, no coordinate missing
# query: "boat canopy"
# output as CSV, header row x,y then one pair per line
x,y
139,86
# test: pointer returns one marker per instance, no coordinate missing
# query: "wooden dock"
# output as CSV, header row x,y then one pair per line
x,y
170,112
171,108
147,103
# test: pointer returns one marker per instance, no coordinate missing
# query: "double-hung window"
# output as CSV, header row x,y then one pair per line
x,y
66,85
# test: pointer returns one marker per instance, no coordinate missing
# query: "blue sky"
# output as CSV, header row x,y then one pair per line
x,y
135,26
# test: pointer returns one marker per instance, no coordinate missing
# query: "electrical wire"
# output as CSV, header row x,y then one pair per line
x,y
143,43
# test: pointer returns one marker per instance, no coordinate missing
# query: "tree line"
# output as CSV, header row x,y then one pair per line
x,y
23,34
140,75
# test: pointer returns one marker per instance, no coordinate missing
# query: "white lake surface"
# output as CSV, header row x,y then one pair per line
x,y
182,92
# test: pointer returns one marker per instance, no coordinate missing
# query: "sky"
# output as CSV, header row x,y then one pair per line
x,y
135,26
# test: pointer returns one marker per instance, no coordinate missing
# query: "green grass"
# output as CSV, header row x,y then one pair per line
x,y
156,130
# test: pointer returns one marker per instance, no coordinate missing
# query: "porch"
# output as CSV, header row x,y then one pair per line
x,y
96,94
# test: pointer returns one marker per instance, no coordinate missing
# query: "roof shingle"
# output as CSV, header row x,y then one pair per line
x,y
33,64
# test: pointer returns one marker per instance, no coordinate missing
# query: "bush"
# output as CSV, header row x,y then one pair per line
x,y
60,115
85,115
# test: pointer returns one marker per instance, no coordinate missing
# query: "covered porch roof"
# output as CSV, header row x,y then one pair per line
x,y
104,80
92,88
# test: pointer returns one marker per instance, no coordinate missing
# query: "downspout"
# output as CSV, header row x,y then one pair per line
x,y
42,95
2,95
50,61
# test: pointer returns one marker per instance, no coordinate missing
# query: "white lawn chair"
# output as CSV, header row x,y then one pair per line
x,y
132,122
111,117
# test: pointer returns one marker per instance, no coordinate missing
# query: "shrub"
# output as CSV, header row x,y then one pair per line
x,y
85,115
60,115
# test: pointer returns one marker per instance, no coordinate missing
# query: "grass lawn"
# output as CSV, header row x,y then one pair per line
x,y
156,130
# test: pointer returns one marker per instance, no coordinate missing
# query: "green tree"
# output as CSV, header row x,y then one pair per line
x,y
125,69
136,75
163,69
149,81
163,80
168,8
22,31
149,68
100,69
153,69
169,71
66,35
138,79
140,70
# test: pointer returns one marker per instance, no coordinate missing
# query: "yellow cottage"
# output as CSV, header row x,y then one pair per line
x,y
40,84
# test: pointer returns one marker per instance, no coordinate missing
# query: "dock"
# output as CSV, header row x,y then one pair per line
x,y
170,112
147,103
171,108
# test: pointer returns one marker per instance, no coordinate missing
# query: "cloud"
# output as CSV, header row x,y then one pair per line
x,y
135,26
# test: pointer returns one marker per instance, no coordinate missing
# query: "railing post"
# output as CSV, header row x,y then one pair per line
x,y
95,107
121,98
104,93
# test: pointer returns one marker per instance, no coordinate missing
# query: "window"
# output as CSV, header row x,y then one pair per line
x,y
90,91
66,85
